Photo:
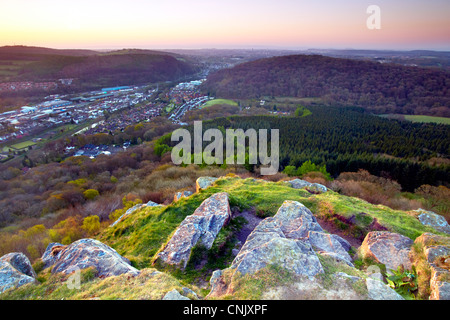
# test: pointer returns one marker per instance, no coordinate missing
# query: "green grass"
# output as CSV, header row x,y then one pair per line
x,y
23,145
149,285
440,120
219,101
419,118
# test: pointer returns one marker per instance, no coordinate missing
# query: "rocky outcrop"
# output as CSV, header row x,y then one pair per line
x,y
436,250
268,244
134,209
390,249
15,271
201,227
379,291
86,253
293,224
311,187
330,244
174,295
431,219
204,182
290,239
181,194
51,254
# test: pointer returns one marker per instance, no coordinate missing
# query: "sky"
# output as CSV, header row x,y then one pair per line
x,y
194,24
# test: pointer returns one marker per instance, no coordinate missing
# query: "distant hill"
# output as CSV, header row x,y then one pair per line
x,y
91,68
379,87
26,50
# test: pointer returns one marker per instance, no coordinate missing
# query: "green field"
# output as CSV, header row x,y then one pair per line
x,y
23,145
11,68
428,119
219,101
418,118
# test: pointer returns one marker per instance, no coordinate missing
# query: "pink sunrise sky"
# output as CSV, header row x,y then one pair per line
x,y
290,24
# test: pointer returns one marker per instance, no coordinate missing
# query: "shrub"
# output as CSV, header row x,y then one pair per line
x,y
78,182
436,199
91,194
290,170
91,224
67,231
308,166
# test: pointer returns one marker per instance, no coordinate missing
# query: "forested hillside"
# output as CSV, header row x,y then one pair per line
x,y
381,88
347,139
90,69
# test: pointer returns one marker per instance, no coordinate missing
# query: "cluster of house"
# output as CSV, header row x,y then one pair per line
x,y
29,120
27,85
34,121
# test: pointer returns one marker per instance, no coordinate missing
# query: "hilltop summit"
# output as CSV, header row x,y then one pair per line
x,y
290,248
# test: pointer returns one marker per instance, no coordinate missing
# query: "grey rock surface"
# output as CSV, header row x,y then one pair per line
x,y
87,253
201,227
15,271
313,187
389,248
379,291
204,182
434,220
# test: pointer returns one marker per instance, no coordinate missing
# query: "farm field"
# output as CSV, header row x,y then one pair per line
x,y
418,118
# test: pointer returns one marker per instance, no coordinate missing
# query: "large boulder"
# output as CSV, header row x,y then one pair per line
x,y
127,213
431,219
379,291
267,244
311,187
15,271
390,249
440,283
86,253
295,220
181,194
174,295
279,240
201,227
204,182
133,209
436,250
330,245
52,253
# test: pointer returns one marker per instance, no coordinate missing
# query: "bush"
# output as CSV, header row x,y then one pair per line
x,y
305,168
91,194
91,224
290,171
376,190
308,166
67,231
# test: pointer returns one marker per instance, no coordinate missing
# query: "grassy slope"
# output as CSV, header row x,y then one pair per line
x,y
219,101
142,234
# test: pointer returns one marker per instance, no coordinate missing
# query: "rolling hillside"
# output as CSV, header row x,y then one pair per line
x,y
90,67
381,88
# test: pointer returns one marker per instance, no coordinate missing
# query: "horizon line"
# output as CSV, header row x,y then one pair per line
x,y
256,47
